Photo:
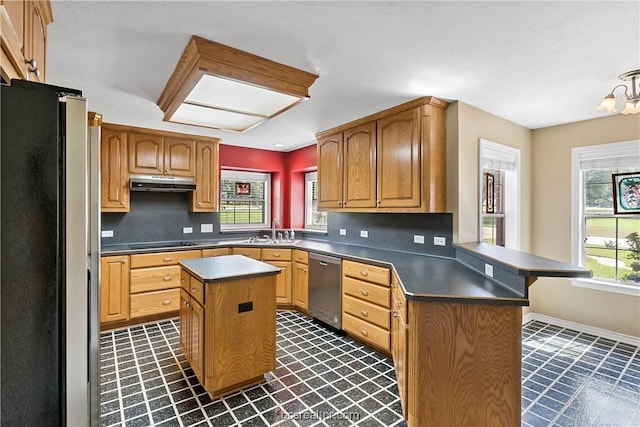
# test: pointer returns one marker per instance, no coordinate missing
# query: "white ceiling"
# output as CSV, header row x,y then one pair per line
x,y
535,63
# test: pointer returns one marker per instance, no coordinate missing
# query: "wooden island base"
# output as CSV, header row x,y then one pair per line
x,y
228,323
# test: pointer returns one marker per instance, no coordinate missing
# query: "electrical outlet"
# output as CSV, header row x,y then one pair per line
x,y
187,230
343,231
206,228
418,239
107,233
488,270
364,234
440,241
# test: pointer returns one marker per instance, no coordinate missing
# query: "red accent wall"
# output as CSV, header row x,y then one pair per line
x,y
287,177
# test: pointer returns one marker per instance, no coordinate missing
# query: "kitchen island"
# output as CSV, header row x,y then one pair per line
x,y
228,321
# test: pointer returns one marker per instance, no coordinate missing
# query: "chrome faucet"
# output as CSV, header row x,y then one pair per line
x,y
274,224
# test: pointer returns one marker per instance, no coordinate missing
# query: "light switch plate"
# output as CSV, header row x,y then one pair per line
x,y
206,228
418,239
488,270
364,233
440,241
343,231
187,230
107,233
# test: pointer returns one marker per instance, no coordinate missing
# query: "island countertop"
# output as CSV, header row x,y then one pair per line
x,y
227,267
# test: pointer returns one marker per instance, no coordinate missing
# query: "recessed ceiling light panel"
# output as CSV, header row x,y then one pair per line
x,y
220,87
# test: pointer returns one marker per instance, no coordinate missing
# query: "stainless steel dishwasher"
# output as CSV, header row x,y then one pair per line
x,y
325,289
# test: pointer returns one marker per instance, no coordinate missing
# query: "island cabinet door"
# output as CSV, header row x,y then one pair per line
x,y
196,354
185,323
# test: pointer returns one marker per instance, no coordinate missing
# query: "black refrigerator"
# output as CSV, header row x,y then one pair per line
x,y
49,257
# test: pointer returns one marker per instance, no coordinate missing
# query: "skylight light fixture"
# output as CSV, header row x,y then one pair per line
x,y
631,102
220,87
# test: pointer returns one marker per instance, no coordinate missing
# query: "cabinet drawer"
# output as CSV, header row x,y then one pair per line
x,y
196,289
366,331
370,273
269,254
162,258
301,256
366,291
154,278
184,280
254,253
214,252
366,311
149,303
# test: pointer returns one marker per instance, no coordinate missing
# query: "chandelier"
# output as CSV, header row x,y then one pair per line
x,y
631,102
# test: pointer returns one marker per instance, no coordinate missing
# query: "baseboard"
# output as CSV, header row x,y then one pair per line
x,y
614,336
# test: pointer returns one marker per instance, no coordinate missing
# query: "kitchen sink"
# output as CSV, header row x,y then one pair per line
x,y
268,242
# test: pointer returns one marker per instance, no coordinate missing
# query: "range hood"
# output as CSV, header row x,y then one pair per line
x,y
162,183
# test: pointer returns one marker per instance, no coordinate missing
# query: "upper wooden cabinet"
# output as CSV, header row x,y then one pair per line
x,y
205,198
114,171
154,154
392,161
130,150
23,34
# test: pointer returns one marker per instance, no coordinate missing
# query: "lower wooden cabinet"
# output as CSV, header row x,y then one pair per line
x,y
280,258
301,279
399,341
192,332
114,288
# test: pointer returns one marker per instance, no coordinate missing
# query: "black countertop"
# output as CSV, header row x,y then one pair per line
x,y
227,267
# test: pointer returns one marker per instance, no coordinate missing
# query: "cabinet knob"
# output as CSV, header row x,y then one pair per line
x,y
396,313
124,261
364,292
364,333
339,203
378,201
198,203
364,313
166,279
166,302
364,273
32,67
122,202
193,289
304,269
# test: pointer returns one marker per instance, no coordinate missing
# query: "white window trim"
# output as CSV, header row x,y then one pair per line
x,y
248,176
512,202
310,176
593,153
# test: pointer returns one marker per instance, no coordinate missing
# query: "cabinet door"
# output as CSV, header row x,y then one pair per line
x,y
114,174
360,166
283,282
330,176
146,154
114,288
196,352
179,157
301,285
398,152
185,323
35,40
205,198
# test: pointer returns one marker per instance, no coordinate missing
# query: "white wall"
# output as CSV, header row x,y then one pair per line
x,y
551,225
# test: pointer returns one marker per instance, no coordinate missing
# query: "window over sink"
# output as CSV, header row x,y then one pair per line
x,y
245,201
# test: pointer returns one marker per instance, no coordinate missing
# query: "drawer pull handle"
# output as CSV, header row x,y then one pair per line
x,y
364,292
166,278
364,312
364,273
276,255
166,302
396,313
193,289
364,333
167,259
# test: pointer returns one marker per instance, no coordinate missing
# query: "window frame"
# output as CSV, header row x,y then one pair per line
x,y
592,153
248,176
310,176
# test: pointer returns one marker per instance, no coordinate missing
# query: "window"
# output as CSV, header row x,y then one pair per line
x,y
312,218
244,200
604,242
500,194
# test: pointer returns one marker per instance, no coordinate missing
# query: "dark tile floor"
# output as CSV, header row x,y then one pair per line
x,y
322,379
